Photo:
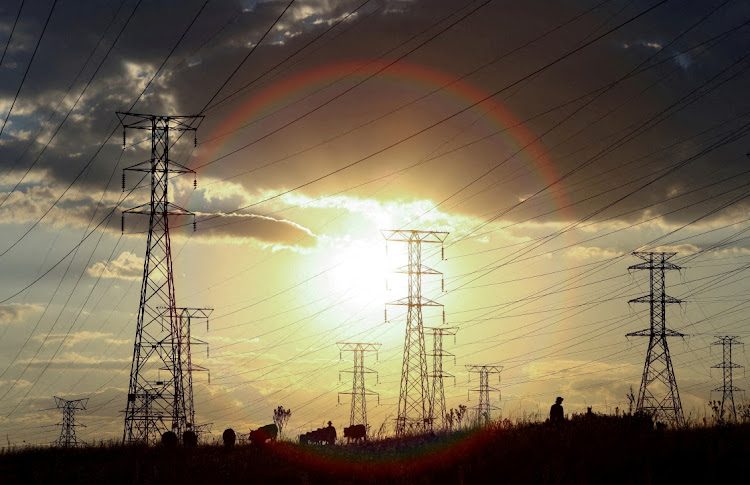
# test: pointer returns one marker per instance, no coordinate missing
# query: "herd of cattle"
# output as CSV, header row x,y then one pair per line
x,y
320,436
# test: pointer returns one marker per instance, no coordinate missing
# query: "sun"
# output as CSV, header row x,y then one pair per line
x,y
361,270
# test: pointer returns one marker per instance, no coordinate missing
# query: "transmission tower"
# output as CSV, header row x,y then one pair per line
x,y
485,408
437,390
68,430
413,402
658,396
185,341
359,391
158,347
727,390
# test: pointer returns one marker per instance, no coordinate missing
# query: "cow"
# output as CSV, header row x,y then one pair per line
x,y
355,432
263,434
190,439
169,439
320,436
229,437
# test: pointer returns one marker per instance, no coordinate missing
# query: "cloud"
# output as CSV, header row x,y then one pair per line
x,y
127,266
34,197
83,336
11,312
682,249
582,252
238,228
75,360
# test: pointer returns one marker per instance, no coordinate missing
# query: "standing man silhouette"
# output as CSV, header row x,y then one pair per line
x,y
556,415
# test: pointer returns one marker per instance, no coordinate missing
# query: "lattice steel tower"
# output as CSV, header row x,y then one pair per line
x,y
437,389
658,396
157,403
68,430
727,390
185,342
413,402
485,407
359,391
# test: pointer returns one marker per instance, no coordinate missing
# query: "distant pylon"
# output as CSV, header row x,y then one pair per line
x,y
727,390
358,414
484,409
152,399
68,426
185,342
437,390
413,402
661,404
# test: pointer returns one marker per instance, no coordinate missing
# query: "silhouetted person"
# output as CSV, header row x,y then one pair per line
x,y
556,415
229,437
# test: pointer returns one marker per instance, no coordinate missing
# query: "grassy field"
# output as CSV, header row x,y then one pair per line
x,y
594,450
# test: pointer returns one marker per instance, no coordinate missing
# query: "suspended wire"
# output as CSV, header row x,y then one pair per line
x,y
31,61
236,69
44,124
12,31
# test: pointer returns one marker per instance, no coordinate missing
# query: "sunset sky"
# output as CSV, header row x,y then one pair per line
x,y
550,139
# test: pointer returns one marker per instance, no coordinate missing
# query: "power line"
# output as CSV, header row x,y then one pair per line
x,y
23,80
12,31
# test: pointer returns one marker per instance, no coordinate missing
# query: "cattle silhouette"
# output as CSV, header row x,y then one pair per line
x,y
190,439
229,437
263,434
320,436
355,432
169,439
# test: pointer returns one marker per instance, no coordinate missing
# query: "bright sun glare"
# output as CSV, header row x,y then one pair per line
x,y
360,269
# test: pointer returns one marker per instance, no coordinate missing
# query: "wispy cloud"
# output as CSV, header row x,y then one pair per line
x,y
10,312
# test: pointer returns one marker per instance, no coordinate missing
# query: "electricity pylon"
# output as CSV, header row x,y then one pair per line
x,y
413,402
727,390
437,390
484,409
152,399
185,341
658,395
358,414
68,430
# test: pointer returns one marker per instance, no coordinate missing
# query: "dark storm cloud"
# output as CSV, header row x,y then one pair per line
x,y
184,87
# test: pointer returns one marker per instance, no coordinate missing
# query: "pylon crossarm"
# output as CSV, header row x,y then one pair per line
x,y
648,333
195,312
492,369
358,346
170,210
144,121
398,235
146,166
196,368
420,271
646,255
421,301
442,330
648,299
